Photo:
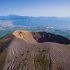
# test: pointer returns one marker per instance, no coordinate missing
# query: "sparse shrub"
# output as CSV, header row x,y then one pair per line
x,y
41,61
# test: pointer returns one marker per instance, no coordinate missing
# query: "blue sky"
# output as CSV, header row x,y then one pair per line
x,y
56,8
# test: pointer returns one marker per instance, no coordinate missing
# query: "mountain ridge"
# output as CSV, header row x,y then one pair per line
x,y
21,54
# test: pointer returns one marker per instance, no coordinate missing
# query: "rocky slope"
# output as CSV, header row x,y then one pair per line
x,y
36,51
40,37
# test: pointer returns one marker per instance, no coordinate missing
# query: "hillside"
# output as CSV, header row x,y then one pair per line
x,y
25,35
40,37
35,51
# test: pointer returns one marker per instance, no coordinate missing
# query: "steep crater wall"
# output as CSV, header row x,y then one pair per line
x,y
42,37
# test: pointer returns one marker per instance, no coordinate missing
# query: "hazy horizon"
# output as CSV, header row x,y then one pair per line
x,y
49,8
37,16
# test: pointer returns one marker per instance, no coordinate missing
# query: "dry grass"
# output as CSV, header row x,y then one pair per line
x,y
41,61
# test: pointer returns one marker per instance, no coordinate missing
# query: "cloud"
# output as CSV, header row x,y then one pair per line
x,y
6,23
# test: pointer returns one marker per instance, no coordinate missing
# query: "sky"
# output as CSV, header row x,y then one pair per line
x,y
51,8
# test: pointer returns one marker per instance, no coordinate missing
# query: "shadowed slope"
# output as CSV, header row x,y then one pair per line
x,y
5,41
42,37
4,44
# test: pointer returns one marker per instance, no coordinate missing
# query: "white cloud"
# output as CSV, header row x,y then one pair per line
x,y
6,24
